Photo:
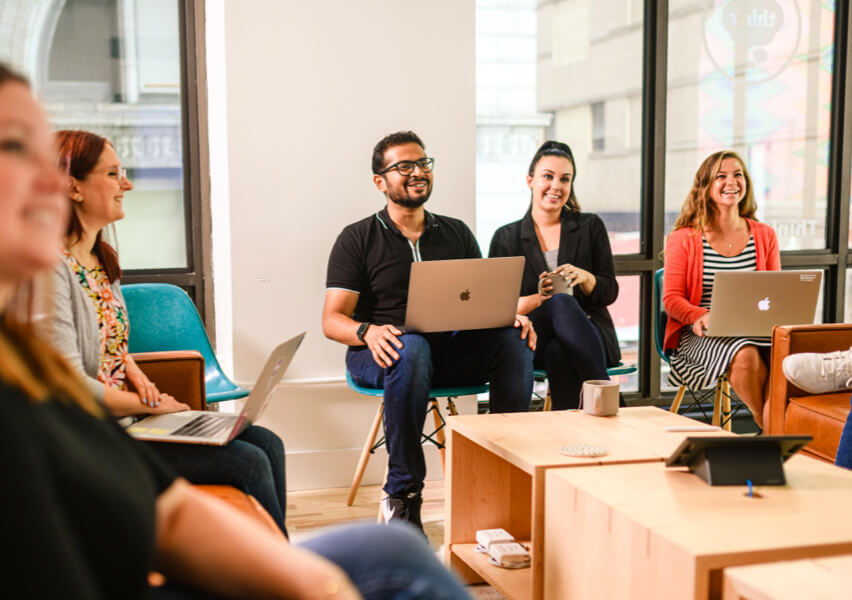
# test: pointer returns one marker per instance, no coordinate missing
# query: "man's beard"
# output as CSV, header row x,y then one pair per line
x,y
405,200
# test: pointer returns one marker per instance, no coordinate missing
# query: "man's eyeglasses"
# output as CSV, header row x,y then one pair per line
x,y
406,167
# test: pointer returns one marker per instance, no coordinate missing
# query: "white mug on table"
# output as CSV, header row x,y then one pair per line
x,y
599,397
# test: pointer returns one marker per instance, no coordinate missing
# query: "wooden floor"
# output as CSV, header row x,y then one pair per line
x,y
313,509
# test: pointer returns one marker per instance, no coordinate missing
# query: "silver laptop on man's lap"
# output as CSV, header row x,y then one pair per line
x,y
463,294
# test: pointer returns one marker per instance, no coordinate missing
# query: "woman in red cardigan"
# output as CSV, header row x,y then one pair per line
x,y
716,231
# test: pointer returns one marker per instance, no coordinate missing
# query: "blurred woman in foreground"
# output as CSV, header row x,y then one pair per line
x,y
88,510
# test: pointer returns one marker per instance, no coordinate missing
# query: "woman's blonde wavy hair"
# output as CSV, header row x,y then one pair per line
x,y
698,209
28,362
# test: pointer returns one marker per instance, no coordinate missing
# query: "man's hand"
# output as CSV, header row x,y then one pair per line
x,y
381,340
699,328
527,331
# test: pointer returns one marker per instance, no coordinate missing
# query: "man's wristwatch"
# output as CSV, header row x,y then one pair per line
x,y
362,331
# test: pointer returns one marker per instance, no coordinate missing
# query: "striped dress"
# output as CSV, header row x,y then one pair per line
x,y
699,361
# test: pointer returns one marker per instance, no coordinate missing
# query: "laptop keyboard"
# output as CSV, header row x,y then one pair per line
x,y
205,425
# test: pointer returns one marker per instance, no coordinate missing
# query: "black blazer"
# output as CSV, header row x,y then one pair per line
x,y
584,243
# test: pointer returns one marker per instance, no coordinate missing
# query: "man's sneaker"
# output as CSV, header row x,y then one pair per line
x,y
403,507
819,373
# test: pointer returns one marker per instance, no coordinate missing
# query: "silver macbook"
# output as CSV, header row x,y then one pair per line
x,y
751,303
462,294
217,429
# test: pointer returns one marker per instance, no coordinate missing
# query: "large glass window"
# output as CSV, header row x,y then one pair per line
x,y
754,76
114,67
569,70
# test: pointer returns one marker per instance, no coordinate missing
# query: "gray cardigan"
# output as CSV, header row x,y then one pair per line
x,y
69,321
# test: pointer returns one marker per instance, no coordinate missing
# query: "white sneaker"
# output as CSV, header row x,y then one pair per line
x,y
819,373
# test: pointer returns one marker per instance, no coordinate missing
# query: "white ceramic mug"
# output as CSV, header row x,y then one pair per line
x,y
599,397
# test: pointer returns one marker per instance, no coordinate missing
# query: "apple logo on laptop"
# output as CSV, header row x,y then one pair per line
x,y
465,296
763,304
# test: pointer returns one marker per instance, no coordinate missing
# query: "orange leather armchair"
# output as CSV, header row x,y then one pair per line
x,y
179,373
794,411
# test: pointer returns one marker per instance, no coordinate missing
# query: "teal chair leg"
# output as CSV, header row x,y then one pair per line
x,y
436,437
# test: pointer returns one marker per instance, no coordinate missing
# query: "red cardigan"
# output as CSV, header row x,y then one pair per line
x,y
684,266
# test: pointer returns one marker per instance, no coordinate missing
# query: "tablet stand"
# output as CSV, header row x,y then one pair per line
x,y
760,463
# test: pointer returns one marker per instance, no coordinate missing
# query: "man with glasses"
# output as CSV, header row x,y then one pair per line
x,y
365,302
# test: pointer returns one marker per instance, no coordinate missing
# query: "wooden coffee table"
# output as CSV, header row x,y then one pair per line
x,y
824,578
644,531
495,477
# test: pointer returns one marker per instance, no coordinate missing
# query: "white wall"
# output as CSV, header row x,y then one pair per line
x,y
311,87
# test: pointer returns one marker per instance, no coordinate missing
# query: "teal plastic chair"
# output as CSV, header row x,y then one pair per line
x,y
163,317
541,376
722,413
436,437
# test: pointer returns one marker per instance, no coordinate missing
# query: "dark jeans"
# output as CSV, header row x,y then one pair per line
x,y
385,562
461,358
253,462
570,349
844,448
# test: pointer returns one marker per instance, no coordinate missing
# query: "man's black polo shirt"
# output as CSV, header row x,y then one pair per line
x,y
373,258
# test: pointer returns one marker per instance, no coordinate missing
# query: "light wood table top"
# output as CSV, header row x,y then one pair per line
x,y
496,478
531,440
670,524
824,578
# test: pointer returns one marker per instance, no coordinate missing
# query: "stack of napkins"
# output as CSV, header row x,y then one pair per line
x,y
510,556
485,538
502,548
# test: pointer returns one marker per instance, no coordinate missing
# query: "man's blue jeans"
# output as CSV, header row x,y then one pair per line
x,y
570,348
460,358
844,448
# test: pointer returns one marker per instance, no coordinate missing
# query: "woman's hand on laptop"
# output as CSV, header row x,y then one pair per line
x,y
168,404
699,328
381,340
527,331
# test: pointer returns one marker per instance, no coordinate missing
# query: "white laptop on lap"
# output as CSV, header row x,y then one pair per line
x,y
213,428
463,294
751,303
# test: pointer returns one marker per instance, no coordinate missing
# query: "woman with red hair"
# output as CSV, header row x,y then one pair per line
x,y
89,325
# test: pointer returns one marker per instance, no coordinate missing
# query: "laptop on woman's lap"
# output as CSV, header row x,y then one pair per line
x,y
213,428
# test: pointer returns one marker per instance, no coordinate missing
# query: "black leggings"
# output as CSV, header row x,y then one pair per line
x,y
570,349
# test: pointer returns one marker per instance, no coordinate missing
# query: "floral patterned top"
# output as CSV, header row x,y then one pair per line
x,y
112,322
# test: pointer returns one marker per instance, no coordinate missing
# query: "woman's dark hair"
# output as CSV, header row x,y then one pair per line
x,y
554,148
79,152
392,139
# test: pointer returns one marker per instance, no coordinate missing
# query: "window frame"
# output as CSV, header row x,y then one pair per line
x,y
195,278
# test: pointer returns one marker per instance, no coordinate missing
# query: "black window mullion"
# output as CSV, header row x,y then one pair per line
x,y
653,167
839,166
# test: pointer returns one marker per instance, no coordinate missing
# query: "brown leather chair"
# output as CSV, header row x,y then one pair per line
x,y
179,373
794,411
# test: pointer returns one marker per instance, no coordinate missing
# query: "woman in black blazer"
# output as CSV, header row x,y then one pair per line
x,y
576,336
